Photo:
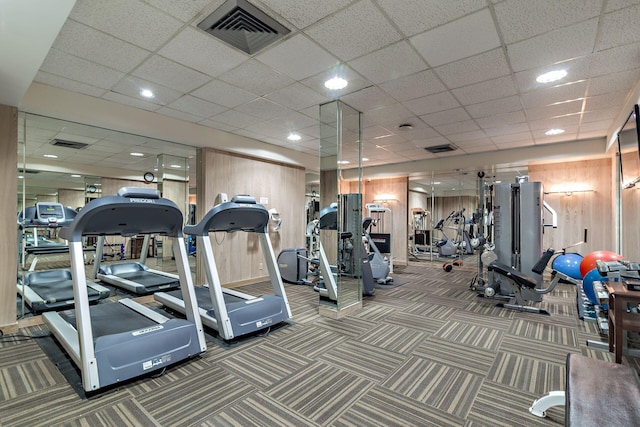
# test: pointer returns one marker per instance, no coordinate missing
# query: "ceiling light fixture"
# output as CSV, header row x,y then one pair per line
x,y
551,76
51,156
336,83
365,159
552,132
175,166
147,93
293,136
135,154
343,162
75,175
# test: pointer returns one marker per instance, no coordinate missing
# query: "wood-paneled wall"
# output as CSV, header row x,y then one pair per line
x,y
238,255
8,210
590,210
71,198
630,219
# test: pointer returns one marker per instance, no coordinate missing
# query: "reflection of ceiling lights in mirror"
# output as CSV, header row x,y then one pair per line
x,y
551,76
365,159
336,83
147,93
551,132
343,162
134,154
20,177
294,137
75,175
50,156
176,166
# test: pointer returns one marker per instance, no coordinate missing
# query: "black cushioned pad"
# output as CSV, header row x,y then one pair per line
x,y
514,274
601,393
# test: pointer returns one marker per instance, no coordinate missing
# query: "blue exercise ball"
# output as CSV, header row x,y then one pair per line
x,y
568,264
587,285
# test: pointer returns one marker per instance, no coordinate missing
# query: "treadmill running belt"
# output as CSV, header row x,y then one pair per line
x,y
148,279
204,297
59,291
112,318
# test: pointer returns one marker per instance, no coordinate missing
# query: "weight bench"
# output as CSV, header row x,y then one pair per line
x,y
598,393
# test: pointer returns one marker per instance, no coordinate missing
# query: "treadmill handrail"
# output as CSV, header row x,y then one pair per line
x,y
232,216
126,216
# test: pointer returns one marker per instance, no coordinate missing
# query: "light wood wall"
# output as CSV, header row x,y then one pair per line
x,y
630,219
590,210
8,210
238,255
71,198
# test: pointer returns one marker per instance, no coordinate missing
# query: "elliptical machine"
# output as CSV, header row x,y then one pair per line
x,y
379,264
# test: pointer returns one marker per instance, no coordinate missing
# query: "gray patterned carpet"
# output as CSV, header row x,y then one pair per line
x,y
429,353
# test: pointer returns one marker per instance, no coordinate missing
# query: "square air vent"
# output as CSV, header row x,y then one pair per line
x,y
444,148
244,26
68,144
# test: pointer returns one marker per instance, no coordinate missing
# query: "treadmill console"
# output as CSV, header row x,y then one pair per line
x,y
49,214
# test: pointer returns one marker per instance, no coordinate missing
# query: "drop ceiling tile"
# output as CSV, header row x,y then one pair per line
x,y
476,142
613,82
376,131
554,123
235,118
70,67
516,137
568,42
523,19
414,86
170,74
223,93
550,111
549,95
368,99
602,125
616,59
568,130
179,114
394,113
619,4
257,78
297,97
480,148
292,120
391,62
198,50
486,91
63,83
262,108
197,107
555,139
298,57
129,20
514,144
432,103
361,24
134,102
131,86
507,129
577,69
85,42
271,129
446,117
620,27
464,37
485,66
494,107
419,132
467,136
598,115
606,100
184,10
303,14
459,127
416,16
218,125
501,120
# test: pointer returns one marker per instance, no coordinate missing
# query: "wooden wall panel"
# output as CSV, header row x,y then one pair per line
x,y
71,198
8,212
590,210
238,255
630,219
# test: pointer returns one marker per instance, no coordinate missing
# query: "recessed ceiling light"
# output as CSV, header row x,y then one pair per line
x,y
75,176
437,182
176,166
365,159
551,132
147,93
498,182
343,162
294,137
51,156
136,154
336,83
551,76
20,177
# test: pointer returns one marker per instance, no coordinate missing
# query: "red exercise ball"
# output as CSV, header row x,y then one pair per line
x,y
588,263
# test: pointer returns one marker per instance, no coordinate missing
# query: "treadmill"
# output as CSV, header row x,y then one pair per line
x,y
134,277
49,289
114,342
232,313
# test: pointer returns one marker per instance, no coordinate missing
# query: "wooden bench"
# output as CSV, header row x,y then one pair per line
x,y
598,393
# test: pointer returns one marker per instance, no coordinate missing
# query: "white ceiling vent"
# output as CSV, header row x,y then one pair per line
x,y
444,148
242,25
69,144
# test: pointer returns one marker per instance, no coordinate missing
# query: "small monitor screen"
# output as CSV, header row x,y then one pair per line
x,y
50,210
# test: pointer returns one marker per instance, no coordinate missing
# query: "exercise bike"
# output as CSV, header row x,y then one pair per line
x,y
379,264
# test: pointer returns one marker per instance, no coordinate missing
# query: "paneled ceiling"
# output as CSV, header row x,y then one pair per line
x,y
459,72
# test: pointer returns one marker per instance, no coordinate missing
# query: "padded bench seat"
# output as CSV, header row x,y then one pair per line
x,y
601,393
515,275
